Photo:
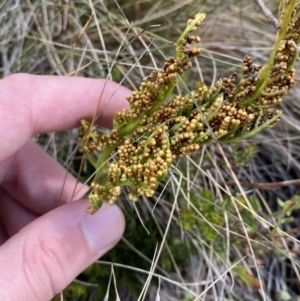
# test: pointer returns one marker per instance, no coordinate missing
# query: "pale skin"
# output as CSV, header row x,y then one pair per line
x,y
46,238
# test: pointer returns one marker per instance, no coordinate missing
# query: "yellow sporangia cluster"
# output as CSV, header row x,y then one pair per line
x,y
150,135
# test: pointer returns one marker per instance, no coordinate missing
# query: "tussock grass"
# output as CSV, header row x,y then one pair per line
x,y
231,211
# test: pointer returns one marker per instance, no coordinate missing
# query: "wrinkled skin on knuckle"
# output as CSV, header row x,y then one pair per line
x,y
43,267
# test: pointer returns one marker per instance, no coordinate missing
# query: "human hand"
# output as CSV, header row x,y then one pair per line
x,y
46,239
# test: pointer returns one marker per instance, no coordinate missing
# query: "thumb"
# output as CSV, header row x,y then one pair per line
x,y
46,255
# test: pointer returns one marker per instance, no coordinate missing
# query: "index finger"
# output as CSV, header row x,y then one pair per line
x,y
33,104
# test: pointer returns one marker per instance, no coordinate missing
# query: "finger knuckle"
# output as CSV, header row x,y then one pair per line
x,y
42,265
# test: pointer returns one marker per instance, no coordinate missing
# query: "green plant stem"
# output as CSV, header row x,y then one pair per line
x,y
266,71
189,28
102,162
256,130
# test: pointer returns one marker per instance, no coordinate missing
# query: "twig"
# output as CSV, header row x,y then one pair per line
x,y
267,13
267,186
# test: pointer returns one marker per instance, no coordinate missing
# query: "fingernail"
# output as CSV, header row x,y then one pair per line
x,y
103,229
